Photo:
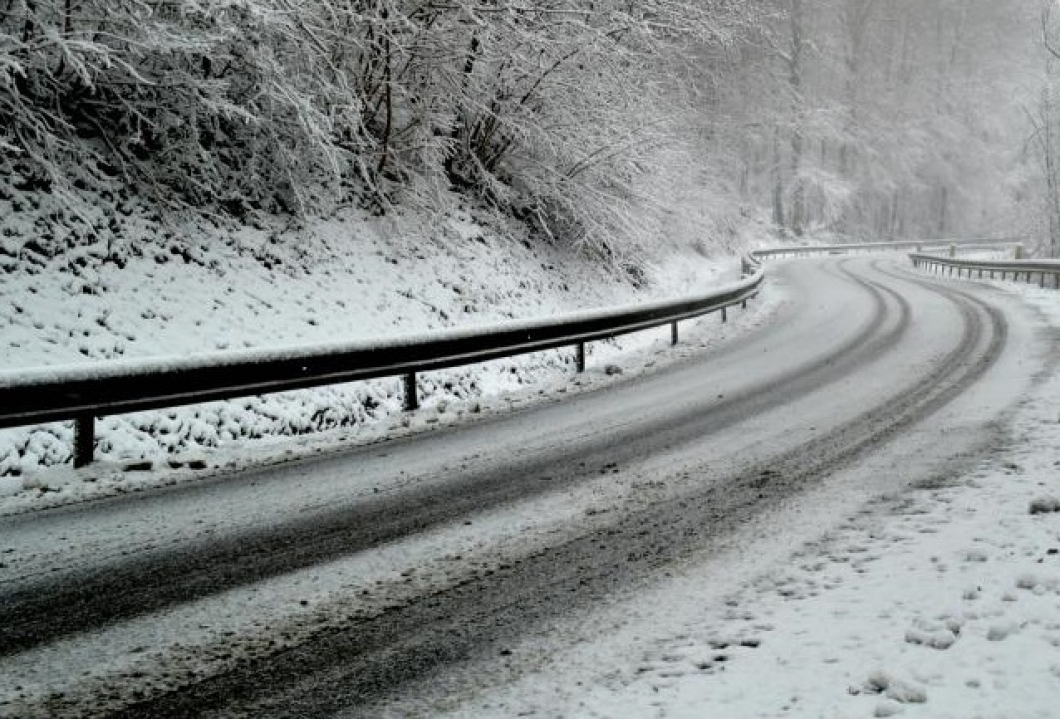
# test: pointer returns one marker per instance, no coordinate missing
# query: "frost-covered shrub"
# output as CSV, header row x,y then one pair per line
x,y
555,109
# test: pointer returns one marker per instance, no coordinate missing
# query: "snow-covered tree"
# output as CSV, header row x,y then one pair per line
x,y
589,118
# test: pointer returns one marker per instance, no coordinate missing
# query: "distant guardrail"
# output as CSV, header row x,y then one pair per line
x,y
85,392
754,259
1025,270
865,247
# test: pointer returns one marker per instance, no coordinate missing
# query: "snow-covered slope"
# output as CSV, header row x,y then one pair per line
x,y
148,286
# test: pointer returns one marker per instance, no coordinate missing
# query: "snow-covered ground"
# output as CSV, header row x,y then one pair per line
x,y
942,600
204,289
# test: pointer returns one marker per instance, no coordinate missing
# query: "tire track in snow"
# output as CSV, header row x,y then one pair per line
x,y
350,669
41,611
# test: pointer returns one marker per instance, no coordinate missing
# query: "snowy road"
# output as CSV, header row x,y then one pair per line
x,y
405,577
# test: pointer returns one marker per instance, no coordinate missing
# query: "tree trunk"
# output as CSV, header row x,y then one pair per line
x,y
858,13
798,190
1052,182
942,224
778,181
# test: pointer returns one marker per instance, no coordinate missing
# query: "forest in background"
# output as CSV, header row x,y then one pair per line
x,y
595,122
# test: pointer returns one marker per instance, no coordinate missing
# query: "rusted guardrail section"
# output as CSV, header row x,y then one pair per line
x,y
83,393
1025,270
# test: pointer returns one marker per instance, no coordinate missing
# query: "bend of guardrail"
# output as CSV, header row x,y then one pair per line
x,y
83,393
1025,270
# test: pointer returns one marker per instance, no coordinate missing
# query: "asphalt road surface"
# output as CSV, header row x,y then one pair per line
x,y
364,581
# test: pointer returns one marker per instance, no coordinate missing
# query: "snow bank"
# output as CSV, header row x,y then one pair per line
x,y
939,601
197,289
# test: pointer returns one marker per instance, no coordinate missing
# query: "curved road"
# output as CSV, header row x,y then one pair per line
x,y
341,585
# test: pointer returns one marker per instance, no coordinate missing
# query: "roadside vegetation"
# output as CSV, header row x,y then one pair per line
x,y
605,126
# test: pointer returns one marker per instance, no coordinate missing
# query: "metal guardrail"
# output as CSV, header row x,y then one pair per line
x,y
1026,269
755,258
918,245
83,393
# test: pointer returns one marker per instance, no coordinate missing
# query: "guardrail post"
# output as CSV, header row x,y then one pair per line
x,y
724,315
84,440
673,333
579,356
1017,251
412,399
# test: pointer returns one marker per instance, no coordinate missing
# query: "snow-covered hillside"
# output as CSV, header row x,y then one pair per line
x,y
147,286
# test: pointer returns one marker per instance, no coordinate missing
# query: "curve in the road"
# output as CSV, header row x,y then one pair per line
x,y
348,668
142,585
